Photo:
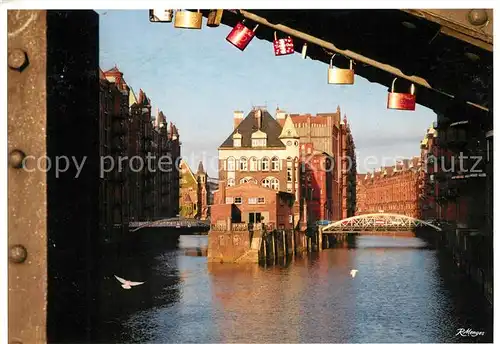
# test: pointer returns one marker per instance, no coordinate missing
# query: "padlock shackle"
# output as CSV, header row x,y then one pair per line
x,y
392,87
331,62
412,87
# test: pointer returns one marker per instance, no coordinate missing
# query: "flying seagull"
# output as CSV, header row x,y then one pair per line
x,y
127,284
353,273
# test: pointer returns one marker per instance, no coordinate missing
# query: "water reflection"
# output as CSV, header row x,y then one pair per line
x,y
403,292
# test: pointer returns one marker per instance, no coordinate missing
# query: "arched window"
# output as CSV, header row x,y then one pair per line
x,y
230,182
254,164
265,164
275,164
230,164
243,164
272,183
248,180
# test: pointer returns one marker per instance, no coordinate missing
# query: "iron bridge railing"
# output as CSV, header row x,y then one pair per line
x,y
377,222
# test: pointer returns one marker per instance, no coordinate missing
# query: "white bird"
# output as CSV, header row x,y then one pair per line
x,y
353,273
127,284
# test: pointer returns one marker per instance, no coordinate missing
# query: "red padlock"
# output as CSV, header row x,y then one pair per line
x,y
241,35
283,46
401,101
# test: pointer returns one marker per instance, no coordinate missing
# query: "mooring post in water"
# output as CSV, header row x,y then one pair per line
x,y
285,252
320,238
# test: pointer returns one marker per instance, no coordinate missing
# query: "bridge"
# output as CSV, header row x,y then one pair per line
x,y
177,223
376,223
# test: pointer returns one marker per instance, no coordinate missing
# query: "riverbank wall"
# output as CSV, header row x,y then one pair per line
x,y
471,251
235,243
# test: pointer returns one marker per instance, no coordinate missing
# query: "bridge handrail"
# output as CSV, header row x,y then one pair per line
x,y
375,216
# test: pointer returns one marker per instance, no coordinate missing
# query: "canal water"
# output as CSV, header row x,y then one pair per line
x,y
404,291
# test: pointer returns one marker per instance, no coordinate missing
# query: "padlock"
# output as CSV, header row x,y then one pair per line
x,y
283,46
241,35
304,51
340,76
162,16
401,101
214,18
188,19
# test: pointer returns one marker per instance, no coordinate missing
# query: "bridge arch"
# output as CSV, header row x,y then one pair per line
x,y
171,222
377,221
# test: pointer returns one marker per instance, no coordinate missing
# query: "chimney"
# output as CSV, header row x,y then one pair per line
x,y
238,117
258,115
280,114
222,192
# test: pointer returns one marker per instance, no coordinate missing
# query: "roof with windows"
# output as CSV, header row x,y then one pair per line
x,y
250,125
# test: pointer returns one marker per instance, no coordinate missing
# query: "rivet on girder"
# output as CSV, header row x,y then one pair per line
x,y
16,158
18,60
18,254
478,17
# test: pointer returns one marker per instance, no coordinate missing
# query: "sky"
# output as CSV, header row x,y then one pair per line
x,y
198,79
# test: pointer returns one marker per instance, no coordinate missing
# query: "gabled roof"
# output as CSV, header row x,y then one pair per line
x,y
288,129
186,198
113,70
201,170
249,125
186,169
143,99
131,98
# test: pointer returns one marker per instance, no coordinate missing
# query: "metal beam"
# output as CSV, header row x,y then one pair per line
x,y
27,191
469,25
350,54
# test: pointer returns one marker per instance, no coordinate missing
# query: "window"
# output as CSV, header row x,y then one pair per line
x,y
265,164
229,200
275,164
275,184
237,200
290,218
237,142
266,183
230,164
230,182
252,200
243,164
258,142
248,180
254,166
261,200
254,217
289,174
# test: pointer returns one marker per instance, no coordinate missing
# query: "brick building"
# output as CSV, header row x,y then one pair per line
x,y
194,195
391,189
253,203
327,133
128,134
316,181
113,127
262,152
457,185
299,154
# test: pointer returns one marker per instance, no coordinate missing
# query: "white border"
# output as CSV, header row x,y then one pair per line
x,y
264,4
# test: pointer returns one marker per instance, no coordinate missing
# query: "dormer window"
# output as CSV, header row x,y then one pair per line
x,y
259,139
237,139
258,142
